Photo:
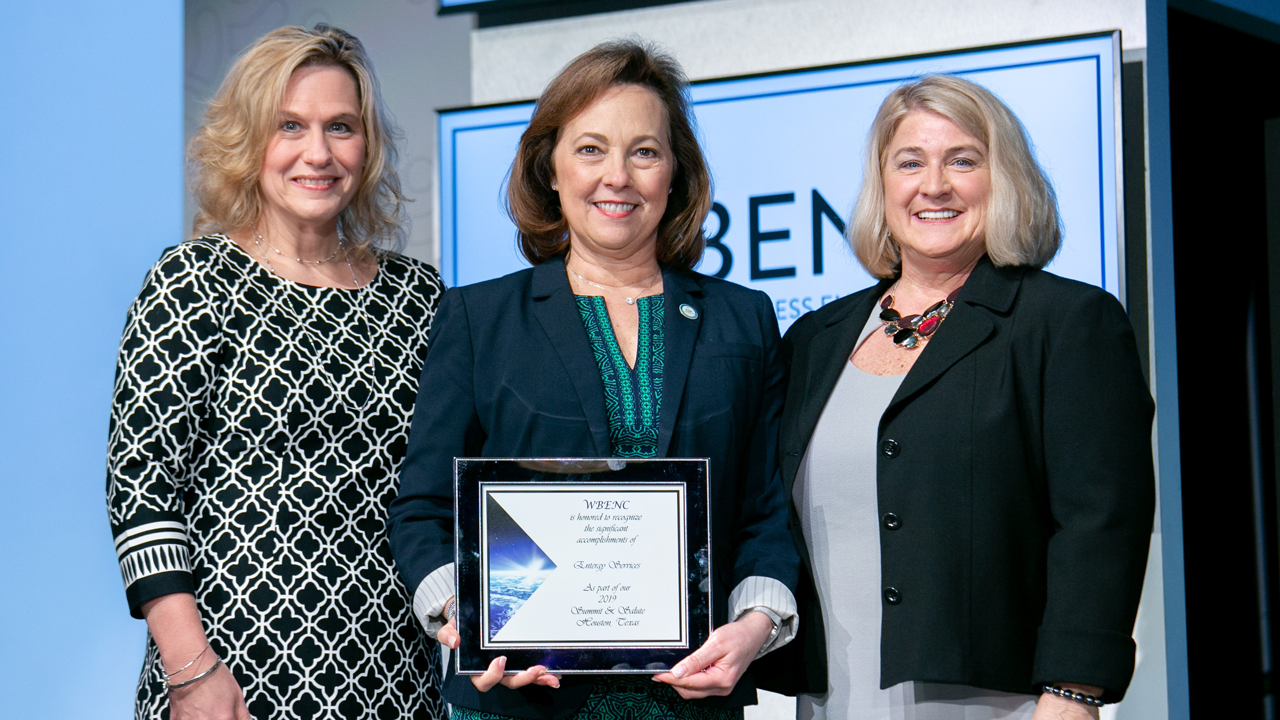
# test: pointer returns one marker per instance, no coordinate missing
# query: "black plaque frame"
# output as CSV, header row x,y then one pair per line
x,y
471,473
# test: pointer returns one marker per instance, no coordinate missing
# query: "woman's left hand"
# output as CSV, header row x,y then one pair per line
x,y
714,668
1052,707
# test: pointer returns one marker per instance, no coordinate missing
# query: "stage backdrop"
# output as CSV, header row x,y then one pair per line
x,y
786,152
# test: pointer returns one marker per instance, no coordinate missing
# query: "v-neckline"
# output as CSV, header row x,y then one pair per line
x,y
611,338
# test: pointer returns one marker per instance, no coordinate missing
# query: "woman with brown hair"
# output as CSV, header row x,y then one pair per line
x,y
266,379
610,345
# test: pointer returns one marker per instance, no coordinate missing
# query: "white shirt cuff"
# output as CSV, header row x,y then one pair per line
x,y
433,594
760,591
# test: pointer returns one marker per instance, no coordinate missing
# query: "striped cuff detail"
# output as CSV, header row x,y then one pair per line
x,y
151,549
432,595
760,591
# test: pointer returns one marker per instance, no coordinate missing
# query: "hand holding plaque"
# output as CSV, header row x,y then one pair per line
x,y
496,673
715,668
581,565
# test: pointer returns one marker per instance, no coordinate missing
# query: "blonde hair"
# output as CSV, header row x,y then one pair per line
x,y
1022,222
225,155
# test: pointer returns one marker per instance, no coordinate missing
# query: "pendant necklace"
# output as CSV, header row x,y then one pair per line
x,y
628,300
910,331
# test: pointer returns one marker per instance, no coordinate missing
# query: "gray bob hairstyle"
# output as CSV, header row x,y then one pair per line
x,y
1022,222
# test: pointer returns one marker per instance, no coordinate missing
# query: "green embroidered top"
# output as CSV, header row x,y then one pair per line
x,y
632,396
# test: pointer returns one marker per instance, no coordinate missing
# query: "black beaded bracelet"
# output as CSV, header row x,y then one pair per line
x,y
1068,694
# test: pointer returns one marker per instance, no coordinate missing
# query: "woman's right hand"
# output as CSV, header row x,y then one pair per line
x,y
217,697
174,623
536,675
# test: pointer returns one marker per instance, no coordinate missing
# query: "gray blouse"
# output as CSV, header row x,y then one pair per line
x,y
835,493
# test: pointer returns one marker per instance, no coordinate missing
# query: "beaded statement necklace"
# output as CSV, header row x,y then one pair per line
x,y
910,331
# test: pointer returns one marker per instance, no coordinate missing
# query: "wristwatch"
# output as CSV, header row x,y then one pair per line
x,y
774,618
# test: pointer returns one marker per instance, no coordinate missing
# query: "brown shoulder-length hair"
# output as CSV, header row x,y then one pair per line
x,y
535,208
1023,226
225,154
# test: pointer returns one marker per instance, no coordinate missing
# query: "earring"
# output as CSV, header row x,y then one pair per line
x,y
555,188
669,190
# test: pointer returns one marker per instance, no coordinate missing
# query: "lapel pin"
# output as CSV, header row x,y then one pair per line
x,y
687,310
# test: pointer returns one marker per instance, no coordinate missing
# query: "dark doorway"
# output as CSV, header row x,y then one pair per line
x,y
1225,190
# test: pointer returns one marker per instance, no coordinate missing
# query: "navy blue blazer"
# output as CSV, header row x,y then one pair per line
x,y
510,372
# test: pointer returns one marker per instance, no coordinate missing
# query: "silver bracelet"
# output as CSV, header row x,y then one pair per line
x,y
450,609
199,677
171,675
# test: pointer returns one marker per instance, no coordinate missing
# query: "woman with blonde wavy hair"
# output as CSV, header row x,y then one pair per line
x,y
267,374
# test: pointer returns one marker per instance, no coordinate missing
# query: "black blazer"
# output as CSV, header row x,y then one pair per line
x,y
1017,455
510,372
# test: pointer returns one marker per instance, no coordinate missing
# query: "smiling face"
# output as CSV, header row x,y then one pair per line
x,y
613,169
936,183
312,164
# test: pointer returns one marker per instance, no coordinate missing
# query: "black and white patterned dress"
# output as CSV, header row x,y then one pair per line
x,y
257,432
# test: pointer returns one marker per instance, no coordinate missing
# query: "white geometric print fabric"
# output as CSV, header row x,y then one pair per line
x,y
152,549
257,432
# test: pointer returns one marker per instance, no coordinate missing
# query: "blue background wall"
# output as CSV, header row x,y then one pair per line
x,y
91,191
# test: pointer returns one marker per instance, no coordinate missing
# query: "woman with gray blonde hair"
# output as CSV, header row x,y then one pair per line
x,y
266,380
966,443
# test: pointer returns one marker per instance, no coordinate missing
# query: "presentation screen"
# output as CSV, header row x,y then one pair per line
x,y
785,152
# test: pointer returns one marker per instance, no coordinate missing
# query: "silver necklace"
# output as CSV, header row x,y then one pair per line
x,y
314,342
258,240
342,246
629,300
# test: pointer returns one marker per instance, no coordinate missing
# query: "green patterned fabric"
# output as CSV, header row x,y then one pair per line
x,y
633,402
632,397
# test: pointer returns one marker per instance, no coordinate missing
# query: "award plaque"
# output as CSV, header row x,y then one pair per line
x,y
581,565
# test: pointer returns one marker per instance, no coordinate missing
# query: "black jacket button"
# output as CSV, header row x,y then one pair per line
x,y
892,596
890,448
891,521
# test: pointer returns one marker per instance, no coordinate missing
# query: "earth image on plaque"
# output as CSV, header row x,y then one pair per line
x,y
517,566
